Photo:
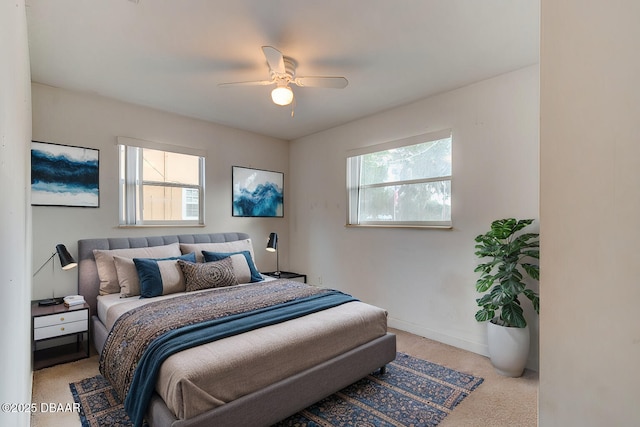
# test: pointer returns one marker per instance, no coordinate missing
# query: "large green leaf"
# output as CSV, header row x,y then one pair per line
x,y
511,271
487,249
524,240
513,315
513,287
486,267
484,283
532,270
535,299
484,314
486,302
505,228
498,297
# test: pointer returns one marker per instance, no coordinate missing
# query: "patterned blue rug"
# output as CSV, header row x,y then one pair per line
x,y
412,392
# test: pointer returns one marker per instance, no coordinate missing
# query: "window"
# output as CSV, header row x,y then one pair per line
x,y
160,185
190,203
401,183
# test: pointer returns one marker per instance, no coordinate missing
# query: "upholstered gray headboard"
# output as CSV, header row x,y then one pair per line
x,y
88,280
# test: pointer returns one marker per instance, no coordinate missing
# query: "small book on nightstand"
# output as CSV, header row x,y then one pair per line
x,y
73,300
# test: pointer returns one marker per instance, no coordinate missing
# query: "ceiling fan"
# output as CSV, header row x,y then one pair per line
x,y
282,70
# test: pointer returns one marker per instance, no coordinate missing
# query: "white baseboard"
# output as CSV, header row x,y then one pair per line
x,y
481,349
473,347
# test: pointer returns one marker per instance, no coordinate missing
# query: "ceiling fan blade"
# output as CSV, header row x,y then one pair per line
x,y
328,82
251,83
274,59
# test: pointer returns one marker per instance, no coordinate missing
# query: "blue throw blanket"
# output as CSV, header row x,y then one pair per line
x,y
145,376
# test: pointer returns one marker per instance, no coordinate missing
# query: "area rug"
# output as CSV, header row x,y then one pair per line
x,y
412,392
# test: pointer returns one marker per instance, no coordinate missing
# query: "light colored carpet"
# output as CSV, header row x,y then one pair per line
x,y
498,401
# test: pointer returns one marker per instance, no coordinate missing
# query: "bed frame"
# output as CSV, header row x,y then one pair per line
x,y
263,407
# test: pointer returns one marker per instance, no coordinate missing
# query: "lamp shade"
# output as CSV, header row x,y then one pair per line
x,y
282,95
272,244
66,260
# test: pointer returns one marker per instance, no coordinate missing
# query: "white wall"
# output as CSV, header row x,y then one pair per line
x,y
590,209
424,278
15,257
86,120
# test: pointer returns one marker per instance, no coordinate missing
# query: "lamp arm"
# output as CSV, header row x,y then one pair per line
x,y
45,263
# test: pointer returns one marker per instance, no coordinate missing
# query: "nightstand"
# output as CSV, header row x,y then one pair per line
x,y
287,275
57,321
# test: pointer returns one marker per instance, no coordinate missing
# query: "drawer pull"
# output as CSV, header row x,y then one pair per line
x,y
62,329
62,319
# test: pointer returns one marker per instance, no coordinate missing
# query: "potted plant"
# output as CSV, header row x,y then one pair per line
x,y
503,282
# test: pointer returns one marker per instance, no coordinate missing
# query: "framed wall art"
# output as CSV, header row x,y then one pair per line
x,y
63,175
257,193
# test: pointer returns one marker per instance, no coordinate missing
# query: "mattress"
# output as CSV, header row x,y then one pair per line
x,y
202,378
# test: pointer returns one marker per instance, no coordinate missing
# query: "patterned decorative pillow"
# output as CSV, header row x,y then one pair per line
x,y
215,274
161,276
217,256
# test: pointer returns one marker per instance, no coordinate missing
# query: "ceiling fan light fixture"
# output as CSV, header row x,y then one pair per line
x,y
282,95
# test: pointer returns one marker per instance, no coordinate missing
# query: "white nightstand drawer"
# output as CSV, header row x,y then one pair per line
x,y
53,322
59,318
61,329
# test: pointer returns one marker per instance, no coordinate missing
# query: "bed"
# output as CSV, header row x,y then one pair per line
x,y
255,378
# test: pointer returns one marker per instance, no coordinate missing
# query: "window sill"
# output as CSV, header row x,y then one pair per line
x,y
163,226
420,227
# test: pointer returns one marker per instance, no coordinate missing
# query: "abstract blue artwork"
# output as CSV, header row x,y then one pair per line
x,y
257,193
62,175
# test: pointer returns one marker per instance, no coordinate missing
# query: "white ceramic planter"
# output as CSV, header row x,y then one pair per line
x,y
508,349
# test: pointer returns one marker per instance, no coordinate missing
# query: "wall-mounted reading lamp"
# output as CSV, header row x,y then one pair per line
x,y
272,246
66,262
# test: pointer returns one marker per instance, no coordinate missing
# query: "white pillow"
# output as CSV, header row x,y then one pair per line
x,y
107,269
241,268
127,277
235,246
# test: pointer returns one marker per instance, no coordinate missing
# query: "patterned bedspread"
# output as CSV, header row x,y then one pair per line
x,y
138,328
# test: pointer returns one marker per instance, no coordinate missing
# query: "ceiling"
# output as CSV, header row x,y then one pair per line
x,y
172,54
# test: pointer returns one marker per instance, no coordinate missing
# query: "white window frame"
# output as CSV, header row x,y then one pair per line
x,y
131,185
354,159
186,202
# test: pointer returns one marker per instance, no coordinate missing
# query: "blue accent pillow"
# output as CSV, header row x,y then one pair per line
x,y
154,274
217,256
